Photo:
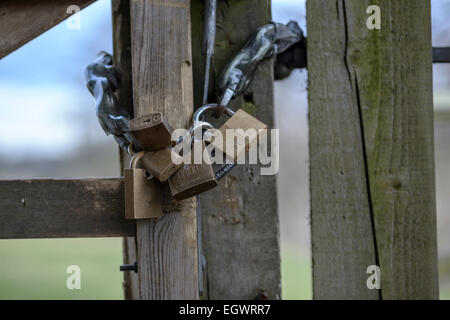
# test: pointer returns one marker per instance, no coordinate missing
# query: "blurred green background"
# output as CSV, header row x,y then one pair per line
x,y
36,269
58,136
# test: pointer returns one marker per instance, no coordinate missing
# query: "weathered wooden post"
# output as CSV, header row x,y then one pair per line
x,y
371,149
122,59
240,217
165,249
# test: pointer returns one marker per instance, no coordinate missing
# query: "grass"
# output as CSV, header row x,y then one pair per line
x,y
444,278
296,282
36,269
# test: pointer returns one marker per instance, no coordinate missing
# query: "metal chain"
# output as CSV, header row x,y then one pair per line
x,y
103,79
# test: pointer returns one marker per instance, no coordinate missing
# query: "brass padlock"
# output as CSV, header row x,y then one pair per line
x,y
238,120
162,163
192,179
143,197
152,131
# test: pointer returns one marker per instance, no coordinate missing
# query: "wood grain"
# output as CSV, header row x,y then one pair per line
x,y
48,208
22,21
162,82
240,218
371,150
122,60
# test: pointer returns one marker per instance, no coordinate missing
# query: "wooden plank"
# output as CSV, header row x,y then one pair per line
x,y
341,225
371,150
65,208
239,218
48,208
122,60
162,82
22,21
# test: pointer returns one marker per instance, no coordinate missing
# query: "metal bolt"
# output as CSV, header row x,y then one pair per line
x,y
129,267
441,55
262,295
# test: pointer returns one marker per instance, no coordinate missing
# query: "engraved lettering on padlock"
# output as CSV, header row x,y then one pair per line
x,y
241,131
192,179
152,131
143,197
161,163
242,126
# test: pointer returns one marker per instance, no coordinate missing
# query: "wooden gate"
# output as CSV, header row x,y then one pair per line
x,y
371,153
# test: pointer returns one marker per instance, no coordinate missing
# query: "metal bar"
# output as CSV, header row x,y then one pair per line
x,y
441,55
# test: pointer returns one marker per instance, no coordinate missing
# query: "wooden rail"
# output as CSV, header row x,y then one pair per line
x,y
22,21
66,208
47,208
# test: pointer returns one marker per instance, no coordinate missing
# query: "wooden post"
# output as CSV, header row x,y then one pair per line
x,y
122,59
371,150
239,218
162,82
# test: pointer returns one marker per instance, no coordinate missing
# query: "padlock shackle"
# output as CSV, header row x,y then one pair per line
x,y
208,107
136,157
200,125
196,126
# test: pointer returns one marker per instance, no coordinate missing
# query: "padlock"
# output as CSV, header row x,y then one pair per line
x,y
143,197
238,120
152,131
162,163
192,179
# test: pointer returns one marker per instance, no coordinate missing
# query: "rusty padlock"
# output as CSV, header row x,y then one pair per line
x,y
152,131
143,197
193,179
240,121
